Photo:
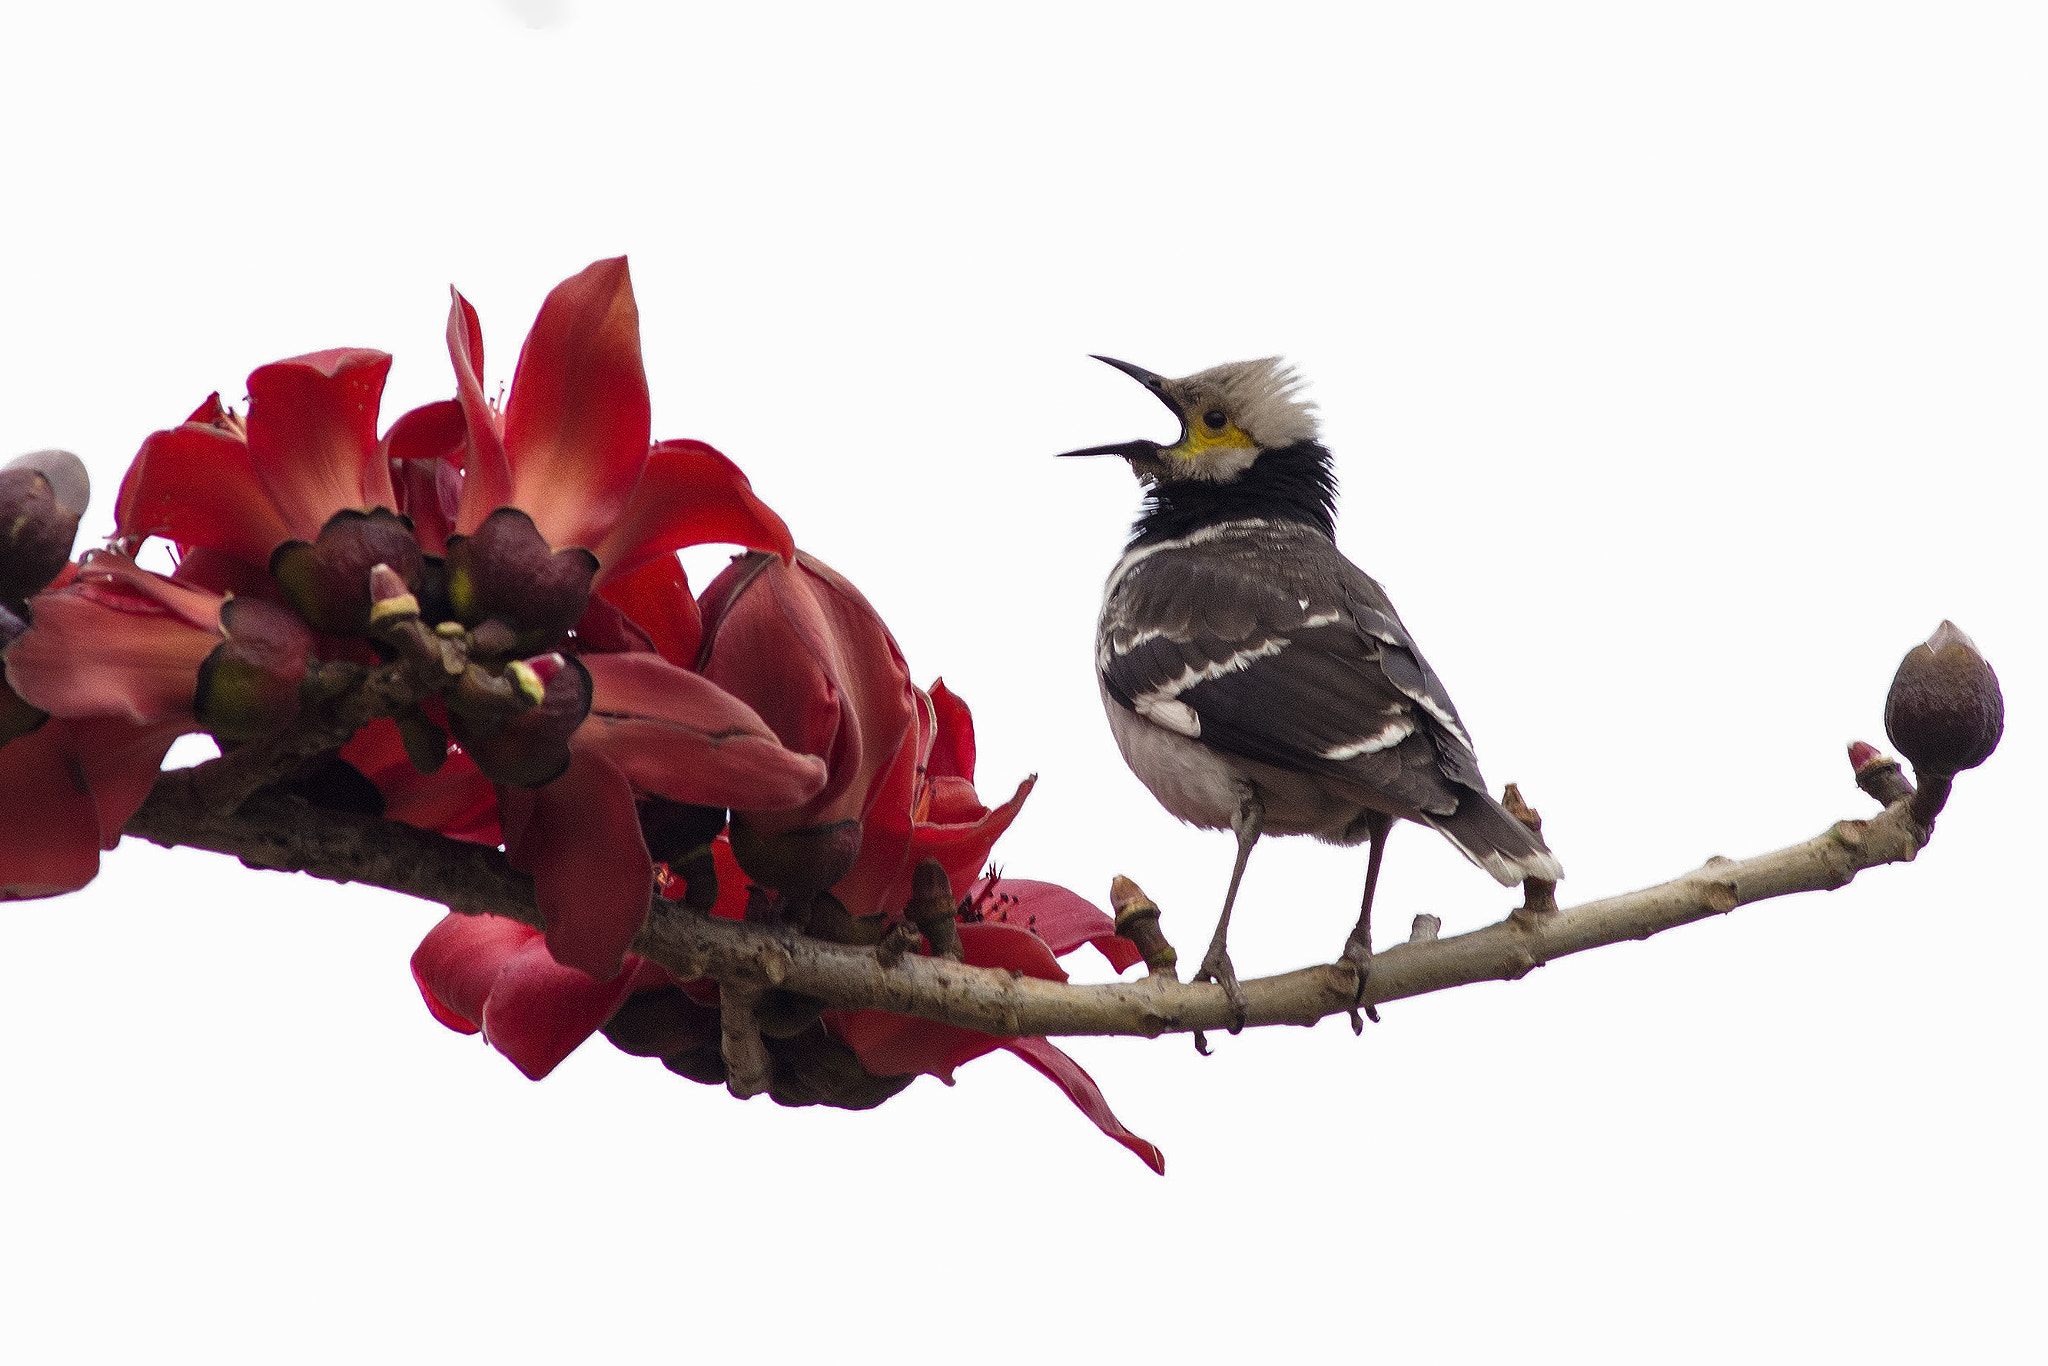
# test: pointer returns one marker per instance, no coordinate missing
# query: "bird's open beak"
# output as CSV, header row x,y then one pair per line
x,y
1134,450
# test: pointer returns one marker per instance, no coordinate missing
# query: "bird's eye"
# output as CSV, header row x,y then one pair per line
x,y
1214,418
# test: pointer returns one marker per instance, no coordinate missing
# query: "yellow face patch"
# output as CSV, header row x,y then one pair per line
x,y
1205,445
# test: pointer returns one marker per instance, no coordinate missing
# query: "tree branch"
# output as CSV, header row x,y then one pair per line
x,y
273,830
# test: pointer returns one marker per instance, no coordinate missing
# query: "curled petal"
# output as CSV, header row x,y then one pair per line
x,y
49,824
313,436
125,644
953,745
576,423
459,960
1081,1089
580,838
689,494
121,762
675,734
539,1012
424,451
486,474
456,799
197,485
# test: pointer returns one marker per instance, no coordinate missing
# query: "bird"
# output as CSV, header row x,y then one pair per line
x,y
1259,682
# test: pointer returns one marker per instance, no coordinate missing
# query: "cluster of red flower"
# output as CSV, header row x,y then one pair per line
x,y
761,743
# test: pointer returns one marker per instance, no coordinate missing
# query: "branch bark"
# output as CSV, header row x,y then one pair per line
x,y
272,830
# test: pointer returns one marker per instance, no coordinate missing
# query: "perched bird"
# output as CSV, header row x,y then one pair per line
x,y
1255,679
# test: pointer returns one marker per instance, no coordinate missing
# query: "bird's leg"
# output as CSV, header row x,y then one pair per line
x,y
1358,948
1216,966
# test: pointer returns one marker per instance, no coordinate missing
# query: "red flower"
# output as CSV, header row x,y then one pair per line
x,y
113,656
488,973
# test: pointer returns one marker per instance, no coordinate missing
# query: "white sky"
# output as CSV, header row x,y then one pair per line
x,y
1682,372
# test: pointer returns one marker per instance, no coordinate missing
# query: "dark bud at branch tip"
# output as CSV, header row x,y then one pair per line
x,y
1137,919
1945,711
42,496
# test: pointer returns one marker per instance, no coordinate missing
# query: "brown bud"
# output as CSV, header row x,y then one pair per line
x,y
249,685
531,747
505,571
932,909
1945,711
797,863
1137,919
330,582
42,496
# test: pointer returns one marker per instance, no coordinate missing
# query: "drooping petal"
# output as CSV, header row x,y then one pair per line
x,y
539,1012
676,734
962,849
486,474
313,436
197,485
115,645
49,824
656,598
1065,920
456,799
580,838
576,422
1081,1089
459,960
424,450
121,762
689,494
892,1045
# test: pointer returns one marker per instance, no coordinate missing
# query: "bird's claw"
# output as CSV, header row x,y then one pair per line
x,y
1217,968
1360,959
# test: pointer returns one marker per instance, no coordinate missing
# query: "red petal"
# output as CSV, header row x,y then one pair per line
x,y
580,838
101,648
899,1045
486,474
953,747
961,849
313,436
1065,920
1081,1089
122,762
1011,948
677,734
424,450
198,485
539,1012
456,799
49,824
459,961
656,598
689,494
886,826
576,424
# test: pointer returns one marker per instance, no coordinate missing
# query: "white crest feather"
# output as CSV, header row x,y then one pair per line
x,y
1262,396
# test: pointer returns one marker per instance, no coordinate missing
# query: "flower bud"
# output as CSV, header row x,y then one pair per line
x,y
391,599
797,863
529,748
249,685
329,582
42,496
1945,711
505,571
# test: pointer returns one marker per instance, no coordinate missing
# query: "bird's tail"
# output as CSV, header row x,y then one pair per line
x,y
1485,833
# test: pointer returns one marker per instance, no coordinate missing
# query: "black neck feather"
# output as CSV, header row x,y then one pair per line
x,y
1291,484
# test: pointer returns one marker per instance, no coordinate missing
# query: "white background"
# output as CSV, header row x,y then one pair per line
x,y
1683,369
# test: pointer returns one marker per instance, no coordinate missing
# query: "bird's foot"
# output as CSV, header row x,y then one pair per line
x,y
1217,968
1359,956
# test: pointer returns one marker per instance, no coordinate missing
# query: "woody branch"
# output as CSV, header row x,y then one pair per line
x,y
277,831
